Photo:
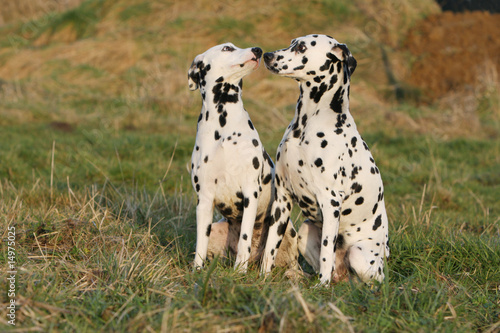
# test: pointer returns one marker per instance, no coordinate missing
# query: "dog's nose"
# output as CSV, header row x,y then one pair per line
x,y
257,51
268,56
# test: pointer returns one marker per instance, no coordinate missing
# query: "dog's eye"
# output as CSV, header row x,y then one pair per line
x,y
301,48
228,49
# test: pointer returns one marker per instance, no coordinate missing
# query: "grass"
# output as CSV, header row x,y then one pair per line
x,y
93,155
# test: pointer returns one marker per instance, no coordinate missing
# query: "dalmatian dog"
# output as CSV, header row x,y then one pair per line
x,y
323,164
230,168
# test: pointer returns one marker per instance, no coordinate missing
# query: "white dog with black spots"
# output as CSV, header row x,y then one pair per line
x,y
230,168
324,165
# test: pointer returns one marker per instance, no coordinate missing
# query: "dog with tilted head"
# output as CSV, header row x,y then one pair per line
x,y
324,166
230,169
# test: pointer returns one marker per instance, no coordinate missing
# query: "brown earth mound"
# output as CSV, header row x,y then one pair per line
x,y
454,51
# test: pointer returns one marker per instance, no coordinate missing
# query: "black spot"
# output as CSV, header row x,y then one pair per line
x,y
239,195
313,43
378,222
267,179
255,194
205,159
308,200
255,163
339,131
272,252
333,80
222,95
325,242
195,178
222,120
326,65
347,211
318,162
304,59
334,203
318,79
220,79
249,249
282,229
374,208
255,142
317,92
359,201
277,214
372,170
353,141
336,213
356,187
250,124
197,187
293,233
337,101
246,202
372,262
324,143
298,68
245,237
209,230
216,135
320,134
304,120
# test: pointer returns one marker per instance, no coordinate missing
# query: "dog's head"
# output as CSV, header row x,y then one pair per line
x,y
312,57
223,63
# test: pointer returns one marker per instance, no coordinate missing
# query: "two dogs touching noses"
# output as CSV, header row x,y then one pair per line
x,y
322,164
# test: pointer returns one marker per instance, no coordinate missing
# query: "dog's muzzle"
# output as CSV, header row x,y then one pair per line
x,y
257,51
268,57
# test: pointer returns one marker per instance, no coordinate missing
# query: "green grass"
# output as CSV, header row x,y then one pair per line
x,y
93,177
116,255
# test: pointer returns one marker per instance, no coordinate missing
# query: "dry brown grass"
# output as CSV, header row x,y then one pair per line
x,y
15,10
145,64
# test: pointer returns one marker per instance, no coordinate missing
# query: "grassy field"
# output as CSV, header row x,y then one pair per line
x,y
97,127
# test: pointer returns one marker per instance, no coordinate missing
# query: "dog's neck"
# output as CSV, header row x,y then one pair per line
x,y
222,105
328,94
323,102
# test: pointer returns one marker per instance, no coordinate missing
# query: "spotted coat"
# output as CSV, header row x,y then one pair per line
x,y
230,168
325,166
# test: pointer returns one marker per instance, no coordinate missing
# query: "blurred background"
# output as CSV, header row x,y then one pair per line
x,y
88,73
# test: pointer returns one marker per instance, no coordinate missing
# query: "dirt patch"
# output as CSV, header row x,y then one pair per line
x,y
452,51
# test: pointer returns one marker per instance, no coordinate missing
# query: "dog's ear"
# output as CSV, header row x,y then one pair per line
x,y
342,52
194,72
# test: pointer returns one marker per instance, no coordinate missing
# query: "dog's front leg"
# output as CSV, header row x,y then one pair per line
x,y
280,214
250,203
330,211
204,216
